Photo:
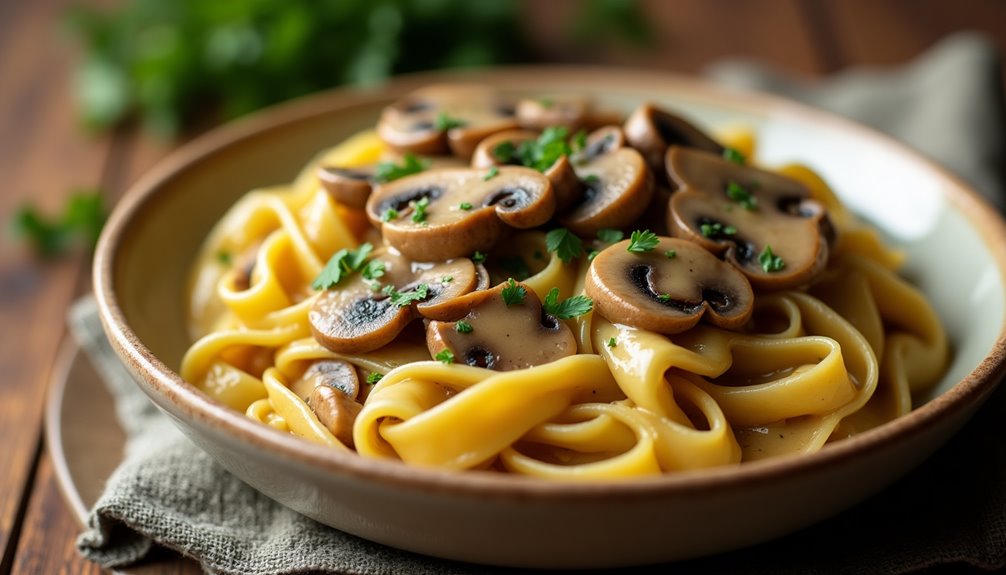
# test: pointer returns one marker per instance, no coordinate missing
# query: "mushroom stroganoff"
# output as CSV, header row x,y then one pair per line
x,y
540,286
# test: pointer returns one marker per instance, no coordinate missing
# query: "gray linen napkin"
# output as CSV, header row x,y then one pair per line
x,y
951,512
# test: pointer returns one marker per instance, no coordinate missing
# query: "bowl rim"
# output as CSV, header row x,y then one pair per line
x,y
167,388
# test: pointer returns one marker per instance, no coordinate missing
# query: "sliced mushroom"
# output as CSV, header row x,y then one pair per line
x,y
764,223
336,411
502,337
447,116
668,289
570,111
335,373
565,184
619,187
361,316
601,141
652,130
352,186
460,211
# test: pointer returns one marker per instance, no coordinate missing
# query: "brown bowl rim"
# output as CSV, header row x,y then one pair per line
x,y
163,384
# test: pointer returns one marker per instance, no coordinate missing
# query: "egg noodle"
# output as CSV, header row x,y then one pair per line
x,y
810,367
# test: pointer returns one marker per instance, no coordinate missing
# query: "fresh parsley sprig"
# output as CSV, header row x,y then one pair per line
x,y
445,356
342,264
642,242
390,171
513,293
407,298
769,261
568,308
734,155
540,153
564,243
742,196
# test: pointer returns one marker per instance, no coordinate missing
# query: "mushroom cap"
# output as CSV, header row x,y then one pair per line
x,y
651,130
515,198
783,217
335,373
503,337
619,188
565,184
603,140
356,318
410,124
669,295
336,411
349,186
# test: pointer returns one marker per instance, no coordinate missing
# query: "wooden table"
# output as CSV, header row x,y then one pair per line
x,y
44,154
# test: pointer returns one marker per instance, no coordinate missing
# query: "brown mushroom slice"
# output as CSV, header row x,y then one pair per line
x,y
566,110
565,184
361,316
349,186
502,337
471,112
652,131
603,140
336,411
338,374
668,289
750,216
619,188
459,211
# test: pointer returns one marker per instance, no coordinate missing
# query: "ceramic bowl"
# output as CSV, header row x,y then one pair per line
x,y
956,248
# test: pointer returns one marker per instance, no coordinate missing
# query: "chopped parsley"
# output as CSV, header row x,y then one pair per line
x,y
445,356
733,155
390,171
513,293
569,308
591,179
493,172
540,153
610,236
373,270
769,261
446,122
671,254
516,267
664,297
407,298
741,195
612,342
592,255
462,326
580,140
374,377
715,228
478,257
343,263
389,214
419,209
564,243
642,241
465,206
224,257
446,280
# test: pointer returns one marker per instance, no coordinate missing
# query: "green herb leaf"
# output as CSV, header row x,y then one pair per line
x,y
513,293
741,195
390,171
569,308
343,263
493,172
664,297
373,270
407,298
478,257
564,243
465,206
642,241
389,214
610,236
505,152
612,342
419,209
579,140
769,261
592,255
374,377
515,266
224,258
445,356
670,254
445,122
446,280
591,179
81,221
462,326
734,156
715,228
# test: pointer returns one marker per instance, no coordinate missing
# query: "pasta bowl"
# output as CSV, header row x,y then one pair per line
x,y
956,254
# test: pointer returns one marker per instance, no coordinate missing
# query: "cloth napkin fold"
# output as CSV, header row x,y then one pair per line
x,y
948,514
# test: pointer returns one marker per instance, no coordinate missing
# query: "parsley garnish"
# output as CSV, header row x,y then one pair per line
x,y
671,254
390,171
419,207
568,308
664,297
769,261
407,298
564,243
612,342
715,228
373,270
224,257
478,257
513,293
592,179
340,265
374,377
592,255
515,266
580,140
446,280
540,153
642,241
462,326
465,206
608,235
445,356
446,122
741,195
493,172
81,221
389,214
733,155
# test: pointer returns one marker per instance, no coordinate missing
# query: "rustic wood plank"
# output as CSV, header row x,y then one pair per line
x,y
690,34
